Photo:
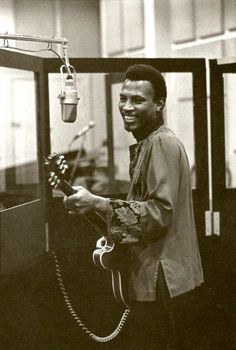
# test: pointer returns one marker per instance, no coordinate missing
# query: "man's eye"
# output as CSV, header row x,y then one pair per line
x,y
138,100
122,99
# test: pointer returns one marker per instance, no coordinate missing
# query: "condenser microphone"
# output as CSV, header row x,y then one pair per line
x,y
68,97
83,131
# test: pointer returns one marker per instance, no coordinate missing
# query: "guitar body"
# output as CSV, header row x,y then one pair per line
x,y
114,258
110,256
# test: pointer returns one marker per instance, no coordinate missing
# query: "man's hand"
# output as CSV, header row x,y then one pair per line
x,y
83,202
101,242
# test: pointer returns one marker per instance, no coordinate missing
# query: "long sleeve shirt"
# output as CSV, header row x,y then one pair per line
x,y
156,220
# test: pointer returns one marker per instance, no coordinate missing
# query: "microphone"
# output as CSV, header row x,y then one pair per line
x,y
68,97
83,131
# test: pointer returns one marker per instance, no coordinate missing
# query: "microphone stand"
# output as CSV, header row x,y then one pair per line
x,y
77,159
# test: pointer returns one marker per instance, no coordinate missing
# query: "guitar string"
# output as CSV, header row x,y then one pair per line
x,y
75,315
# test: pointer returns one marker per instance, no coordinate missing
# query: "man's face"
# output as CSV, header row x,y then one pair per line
x,y
137,105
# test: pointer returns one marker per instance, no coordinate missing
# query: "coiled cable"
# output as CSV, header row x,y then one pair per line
x,y
75,315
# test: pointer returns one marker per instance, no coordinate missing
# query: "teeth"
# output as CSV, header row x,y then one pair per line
x,y
129,118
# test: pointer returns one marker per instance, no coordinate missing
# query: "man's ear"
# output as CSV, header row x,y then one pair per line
x,y
160,104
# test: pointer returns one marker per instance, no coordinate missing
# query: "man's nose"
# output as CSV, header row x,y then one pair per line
x,y
128,106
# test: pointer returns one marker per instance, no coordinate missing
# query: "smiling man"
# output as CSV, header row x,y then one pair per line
x,y
140,105
156,220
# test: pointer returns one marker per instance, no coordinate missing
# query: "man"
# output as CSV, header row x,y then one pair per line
x,y
156,221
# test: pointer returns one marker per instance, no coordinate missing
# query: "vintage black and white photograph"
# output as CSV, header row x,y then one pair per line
x,y
117,174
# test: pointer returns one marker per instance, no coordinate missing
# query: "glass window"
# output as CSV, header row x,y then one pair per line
x,y
19,180
230,129
122,140
179,114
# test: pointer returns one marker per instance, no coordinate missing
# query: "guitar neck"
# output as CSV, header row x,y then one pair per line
x,y
97,219
66,188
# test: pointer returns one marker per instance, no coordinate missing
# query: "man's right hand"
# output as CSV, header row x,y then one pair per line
x,y
101,242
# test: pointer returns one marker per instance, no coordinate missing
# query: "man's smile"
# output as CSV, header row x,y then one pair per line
x,y
129,118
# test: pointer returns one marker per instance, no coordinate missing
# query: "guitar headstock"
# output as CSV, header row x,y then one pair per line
x,y
56,167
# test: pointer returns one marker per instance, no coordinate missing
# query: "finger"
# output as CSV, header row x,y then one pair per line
x,y
73,212
78,188
72,201
101,242
72,205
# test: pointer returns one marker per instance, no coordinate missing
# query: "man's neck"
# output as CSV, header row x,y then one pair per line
x,y
141,134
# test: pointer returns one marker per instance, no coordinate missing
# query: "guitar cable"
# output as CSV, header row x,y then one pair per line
x,y
75,315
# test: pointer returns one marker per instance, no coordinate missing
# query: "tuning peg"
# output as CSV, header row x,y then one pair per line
x,y
57,183
52,179
63,168
61,158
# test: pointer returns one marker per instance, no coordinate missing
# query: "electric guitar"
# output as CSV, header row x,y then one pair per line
x,y
108,255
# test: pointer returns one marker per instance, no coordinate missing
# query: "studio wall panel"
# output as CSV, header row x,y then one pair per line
x,y
182,20
34,18
113,27
209,18
133,24
230,14
80,24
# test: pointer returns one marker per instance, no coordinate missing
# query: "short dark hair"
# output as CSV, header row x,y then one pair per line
x,y
149,73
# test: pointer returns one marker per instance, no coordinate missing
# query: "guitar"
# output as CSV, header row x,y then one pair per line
x,y
108,255
114,258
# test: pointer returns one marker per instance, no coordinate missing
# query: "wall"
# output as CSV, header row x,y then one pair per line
x,y
176,27
78,21
7,16
122,27
203,28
